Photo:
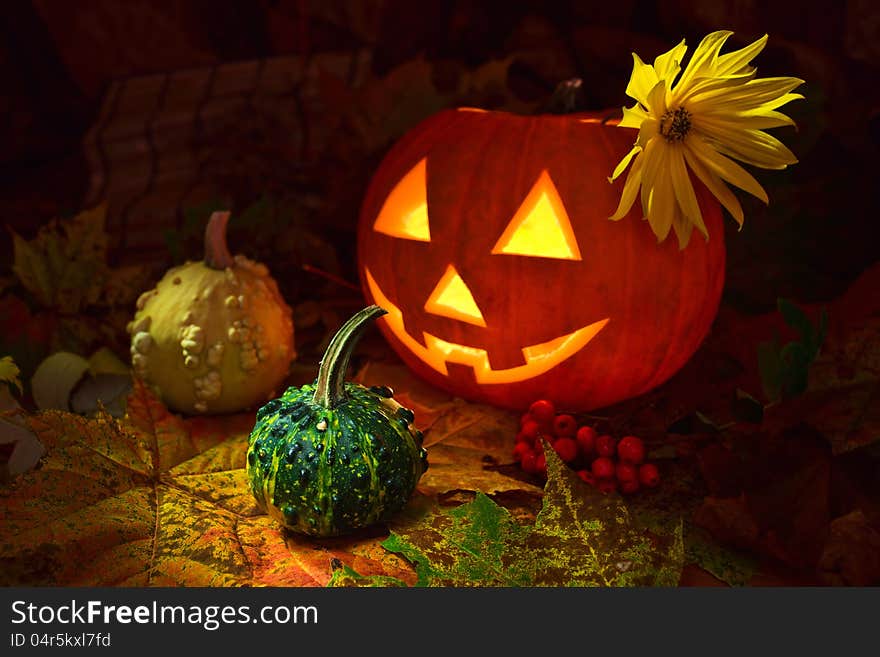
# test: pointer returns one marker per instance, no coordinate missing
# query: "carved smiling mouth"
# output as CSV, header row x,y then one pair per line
x,y
540,358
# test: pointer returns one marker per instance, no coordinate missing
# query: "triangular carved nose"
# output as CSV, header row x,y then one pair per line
x,y
452,298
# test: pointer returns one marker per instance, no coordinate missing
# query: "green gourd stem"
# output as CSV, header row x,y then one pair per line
x,y
217,254
330,388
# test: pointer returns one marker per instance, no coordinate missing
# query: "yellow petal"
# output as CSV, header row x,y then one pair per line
x,y
750,146
725,168
650,129
661,199
702,63
667,65
641,81
750,120
624,163
630,189
738,60
683,229
684,190
652,158
715,186
656,101
754,94
701,87
632,117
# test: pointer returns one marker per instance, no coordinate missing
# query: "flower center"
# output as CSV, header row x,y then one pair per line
x,y
675,124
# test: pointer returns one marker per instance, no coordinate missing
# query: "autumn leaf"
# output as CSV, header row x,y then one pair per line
x,y
383,108
852,554
580,538
157,500
466,446
65,265
592,539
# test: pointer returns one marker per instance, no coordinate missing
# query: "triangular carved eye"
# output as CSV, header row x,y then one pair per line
x,y
405,212
452,298
541,226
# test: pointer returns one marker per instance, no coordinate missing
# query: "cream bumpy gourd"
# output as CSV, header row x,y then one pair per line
x,y
213,336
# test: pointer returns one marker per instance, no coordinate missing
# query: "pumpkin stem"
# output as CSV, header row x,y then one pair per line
x,y
217,254
330,388
567,98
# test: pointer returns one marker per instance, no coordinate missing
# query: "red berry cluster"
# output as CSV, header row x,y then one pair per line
x,y
601,461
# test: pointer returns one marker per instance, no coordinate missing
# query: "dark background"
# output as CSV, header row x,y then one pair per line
x,y
281,110
59,61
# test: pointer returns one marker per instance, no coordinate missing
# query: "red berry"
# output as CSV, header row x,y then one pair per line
x,y
530,429
566,448
587,476
631,450
603,468
649,476
521,448
629,487
528,462
522,438
564,426
542,411
626,472
605,446
606,485
586,440
525,417
541,464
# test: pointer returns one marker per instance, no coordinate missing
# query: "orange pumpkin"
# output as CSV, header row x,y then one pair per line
x,y
485,235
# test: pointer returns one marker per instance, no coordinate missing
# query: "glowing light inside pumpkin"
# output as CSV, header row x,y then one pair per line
x,y
405,212
540,358
452,298
541,226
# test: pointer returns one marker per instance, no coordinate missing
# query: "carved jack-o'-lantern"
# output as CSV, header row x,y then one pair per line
x,y
485,235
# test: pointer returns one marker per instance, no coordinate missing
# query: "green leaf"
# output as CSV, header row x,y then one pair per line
x,y
798,320
733,568
770,367
468,546
346,576
785,371
580,538
9,373
795,369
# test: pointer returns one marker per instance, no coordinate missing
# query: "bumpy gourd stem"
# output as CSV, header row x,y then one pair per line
x,y
330,388
217,254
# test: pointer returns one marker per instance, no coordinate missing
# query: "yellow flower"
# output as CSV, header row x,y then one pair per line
x,y
715,111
